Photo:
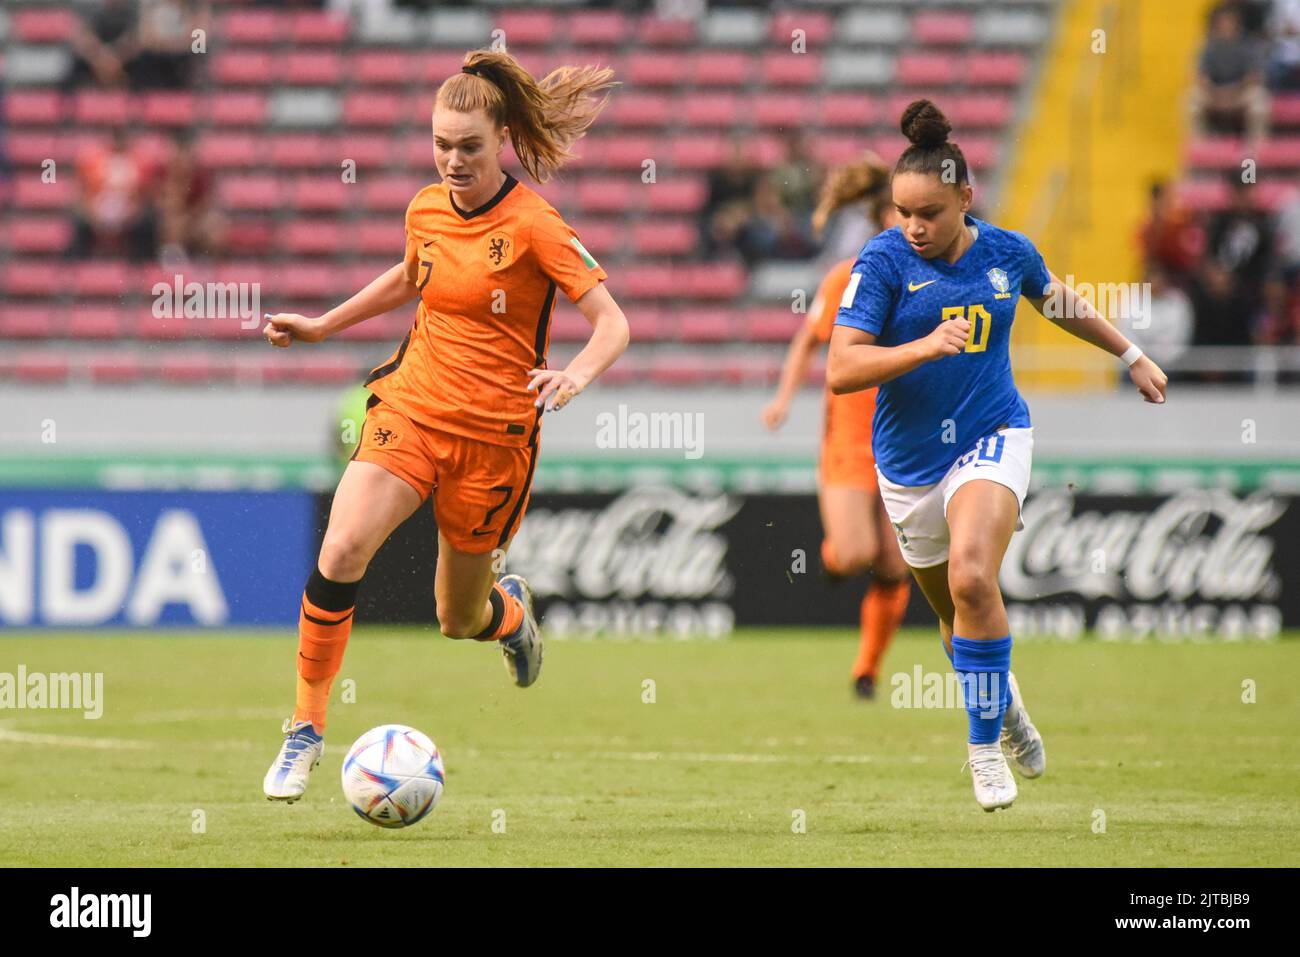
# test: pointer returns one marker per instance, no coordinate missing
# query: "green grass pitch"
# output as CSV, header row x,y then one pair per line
x,y
742,734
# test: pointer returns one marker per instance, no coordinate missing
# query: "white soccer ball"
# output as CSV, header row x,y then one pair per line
x,y
393,775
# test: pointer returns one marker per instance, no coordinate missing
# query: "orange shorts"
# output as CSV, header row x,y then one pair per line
x,y
851,465
480,491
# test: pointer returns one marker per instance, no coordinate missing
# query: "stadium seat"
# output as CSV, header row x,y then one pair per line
x,y
94,322
640,109
253,27
720,68
102,107
919,69
705,325
30,192
260,191
389,192
606,195
106,278
308,27
534,27
34,25
656,69
993,69
714,109
27,322
33,278
42,367
373,108
115,368
772,324
38,233
598,27
785,69
665,31
34,107
664,237
224,150
243,68
816,26
226,108
942,28
320,193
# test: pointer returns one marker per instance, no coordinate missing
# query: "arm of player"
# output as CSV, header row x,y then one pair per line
x,y
793,371
609,338
857,363
391,289
1079,318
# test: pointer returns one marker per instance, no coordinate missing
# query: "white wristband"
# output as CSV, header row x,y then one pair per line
x,y
1131,355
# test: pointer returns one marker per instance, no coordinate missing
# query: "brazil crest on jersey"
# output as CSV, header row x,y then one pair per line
x,y
926,419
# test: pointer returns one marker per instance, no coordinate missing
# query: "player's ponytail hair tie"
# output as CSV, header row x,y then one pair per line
x,y
473,71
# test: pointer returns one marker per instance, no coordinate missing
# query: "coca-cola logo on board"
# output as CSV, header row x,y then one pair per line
x,y
1203,543
650,541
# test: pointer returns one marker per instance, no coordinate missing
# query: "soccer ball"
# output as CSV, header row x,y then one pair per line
x,y
393,775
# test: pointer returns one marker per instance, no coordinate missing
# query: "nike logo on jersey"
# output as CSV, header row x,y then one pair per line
x,y
914,286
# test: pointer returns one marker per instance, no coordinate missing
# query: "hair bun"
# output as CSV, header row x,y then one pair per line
x,y
924,125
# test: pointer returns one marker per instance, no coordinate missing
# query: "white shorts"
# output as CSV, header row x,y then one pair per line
x,y
920,514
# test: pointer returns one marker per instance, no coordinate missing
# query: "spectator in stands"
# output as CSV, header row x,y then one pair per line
x,y
773,231
190,223
730,201
164,39
1240,241
1229,94
798,176
1166,331
1170,239
114,211
103,44
1284,27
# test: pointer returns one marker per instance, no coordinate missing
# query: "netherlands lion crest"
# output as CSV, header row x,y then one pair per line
x,y
500,250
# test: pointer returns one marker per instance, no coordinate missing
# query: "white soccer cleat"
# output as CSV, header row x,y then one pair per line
x,y
1021,742
523,653
301,751
994,785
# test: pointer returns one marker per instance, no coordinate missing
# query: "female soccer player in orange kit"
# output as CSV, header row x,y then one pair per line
x,y
455,413
858,535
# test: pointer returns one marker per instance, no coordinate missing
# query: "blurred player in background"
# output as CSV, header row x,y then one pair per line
x,y
857,534
927,317
455,413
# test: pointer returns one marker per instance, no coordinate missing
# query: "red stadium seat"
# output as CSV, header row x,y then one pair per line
x,y
569,325
926,69
528,27
721,68
370,108
38,234
42,367
260,191
852,110
301,150
107,278
34,107
597,27
95,322
816,27
115,368
1220,152
244,68
227,108
772,324
791,69
994,69
307,27
189,369
226,150
628,152
253,27
673,32
249,236
699,151
677,193
370,153
705,325
392,193
31,193
316,68
1279,151
43,26
317,237
169,109
34,277
649,281
308,280
437,65
664,237
943,29
978,110
383,236
27,322
751,370
639,109
714,109
601,237
719,280
384,67
656,69
321,193
683,370
605,195
102,107
1286,110
784,109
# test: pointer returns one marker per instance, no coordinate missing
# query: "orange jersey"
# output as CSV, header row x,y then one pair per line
x,y
848,417
487,279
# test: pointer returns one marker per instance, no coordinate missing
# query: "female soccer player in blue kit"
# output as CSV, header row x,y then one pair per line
x,y
927,317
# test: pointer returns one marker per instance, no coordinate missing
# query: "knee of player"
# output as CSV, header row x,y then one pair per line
x,y
971,584
343,559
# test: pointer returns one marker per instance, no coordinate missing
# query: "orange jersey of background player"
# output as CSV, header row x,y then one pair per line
x,y
846,436
488,279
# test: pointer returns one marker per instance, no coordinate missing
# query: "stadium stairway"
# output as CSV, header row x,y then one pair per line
x,y
1077,197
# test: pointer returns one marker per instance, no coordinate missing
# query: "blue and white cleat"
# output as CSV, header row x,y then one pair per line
x,y
1021,742
301,751
523,651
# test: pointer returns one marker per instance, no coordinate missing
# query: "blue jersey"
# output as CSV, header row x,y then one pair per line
x,y
927,418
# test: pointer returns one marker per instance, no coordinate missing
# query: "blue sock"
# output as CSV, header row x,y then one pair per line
x,y
983,667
